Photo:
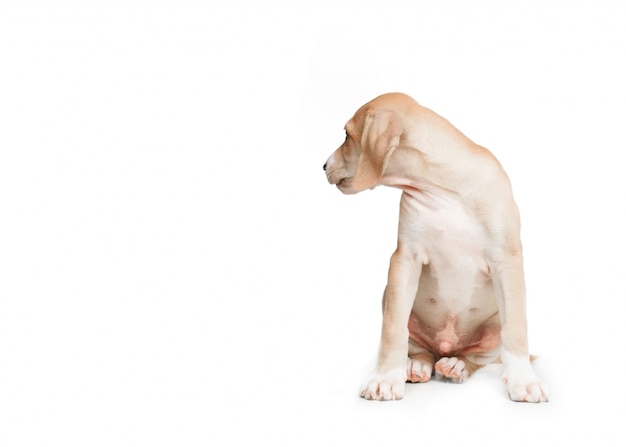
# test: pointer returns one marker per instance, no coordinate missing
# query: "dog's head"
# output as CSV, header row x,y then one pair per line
x,y
372,134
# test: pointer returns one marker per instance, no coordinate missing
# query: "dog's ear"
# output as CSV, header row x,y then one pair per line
x,y
380,136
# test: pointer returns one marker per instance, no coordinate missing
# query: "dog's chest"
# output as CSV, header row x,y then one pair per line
x,y
449,239
444,226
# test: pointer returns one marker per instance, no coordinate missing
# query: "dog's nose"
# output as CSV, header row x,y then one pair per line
x,y
324,166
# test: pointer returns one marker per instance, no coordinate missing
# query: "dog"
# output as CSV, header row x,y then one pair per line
x,y
455,294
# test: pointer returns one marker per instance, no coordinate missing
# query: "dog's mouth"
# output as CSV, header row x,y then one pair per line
x,y
334,178
345,185
344,182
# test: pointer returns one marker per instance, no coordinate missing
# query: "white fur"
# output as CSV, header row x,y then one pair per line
x,y
418,371
522,383
385,386
451,368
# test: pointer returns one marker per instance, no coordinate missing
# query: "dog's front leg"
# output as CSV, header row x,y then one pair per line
x,y
388,379
523,385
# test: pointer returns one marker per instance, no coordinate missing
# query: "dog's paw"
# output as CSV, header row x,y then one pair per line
x,y
451,368
522,383
522,391
418,371
385,386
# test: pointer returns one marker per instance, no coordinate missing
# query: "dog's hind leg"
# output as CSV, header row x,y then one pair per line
x,y
419,366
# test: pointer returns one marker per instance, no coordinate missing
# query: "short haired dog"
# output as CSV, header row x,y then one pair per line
x,y
455,295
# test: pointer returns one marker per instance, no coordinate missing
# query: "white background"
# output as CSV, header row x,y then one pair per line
x,y
175,270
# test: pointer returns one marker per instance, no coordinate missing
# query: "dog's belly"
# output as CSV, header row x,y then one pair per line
x,y
455,310
455,336
455,315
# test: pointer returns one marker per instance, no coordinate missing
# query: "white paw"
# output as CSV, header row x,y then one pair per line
x,y
451,368
418,371
526,391
385,386
522,383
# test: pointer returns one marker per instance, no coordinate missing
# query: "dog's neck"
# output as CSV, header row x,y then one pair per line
x,y
414,167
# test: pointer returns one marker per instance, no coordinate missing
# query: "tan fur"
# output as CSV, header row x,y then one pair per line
x,y
455,295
